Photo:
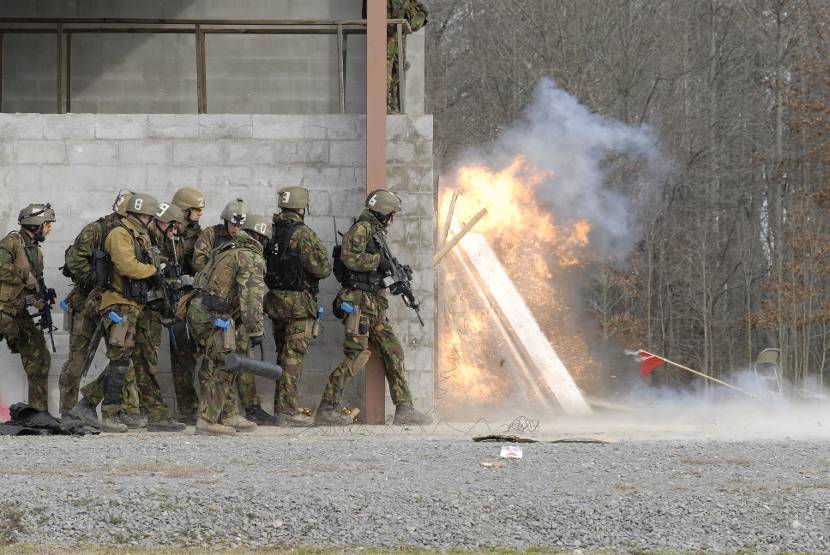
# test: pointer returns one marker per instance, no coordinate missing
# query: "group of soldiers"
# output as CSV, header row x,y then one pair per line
x,y
149,265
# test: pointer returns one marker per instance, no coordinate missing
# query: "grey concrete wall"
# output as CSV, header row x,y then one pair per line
x,y
79,161
141,73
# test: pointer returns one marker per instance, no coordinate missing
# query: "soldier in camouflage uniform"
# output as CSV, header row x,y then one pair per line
x,y
361,304
225,315
21,266
296,261
84,299
134,274
415,13
192,203
258,227
162,232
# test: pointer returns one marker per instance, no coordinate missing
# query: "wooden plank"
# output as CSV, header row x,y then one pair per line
x,y
59,87
341,78
525,330
201,81
68,72
457,237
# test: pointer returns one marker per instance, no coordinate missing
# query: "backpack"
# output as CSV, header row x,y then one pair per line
x,y
283,265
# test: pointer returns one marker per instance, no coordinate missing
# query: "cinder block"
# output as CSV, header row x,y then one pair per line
x,y
423,126
297,152
321,178
6,153
225,126
347,153
268,126
121,126
40,152
69,126
278,176
219,177
397,128
149,152
171,178
194,153
82,179
339,127
173,126
92,152
21,126
420,179
400,152
21,178
248,153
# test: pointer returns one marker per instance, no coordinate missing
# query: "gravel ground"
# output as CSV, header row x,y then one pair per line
x,y
396,488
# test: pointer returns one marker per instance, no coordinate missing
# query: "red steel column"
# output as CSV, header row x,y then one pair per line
x,y
374,386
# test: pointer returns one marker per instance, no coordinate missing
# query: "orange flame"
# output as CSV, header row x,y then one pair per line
x,y
536,251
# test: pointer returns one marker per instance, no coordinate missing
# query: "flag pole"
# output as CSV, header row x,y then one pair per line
x,y
698,373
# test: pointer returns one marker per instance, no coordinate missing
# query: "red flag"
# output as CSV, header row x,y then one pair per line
x,y
4,411
648,362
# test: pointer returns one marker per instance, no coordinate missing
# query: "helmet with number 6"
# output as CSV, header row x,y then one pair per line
x,y
258,224
383,202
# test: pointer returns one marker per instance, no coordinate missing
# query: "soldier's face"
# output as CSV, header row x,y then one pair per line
x,y
194,214
46,229
233,229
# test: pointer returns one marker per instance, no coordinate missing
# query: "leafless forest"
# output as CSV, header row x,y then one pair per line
x,y
733,253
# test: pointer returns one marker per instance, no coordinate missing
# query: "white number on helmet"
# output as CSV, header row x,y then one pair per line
x,y
163,206
373,200
261,228
200,203
284,196
139,202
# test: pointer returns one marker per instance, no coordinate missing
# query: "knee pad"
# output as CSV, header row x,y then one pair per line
x,y
116,374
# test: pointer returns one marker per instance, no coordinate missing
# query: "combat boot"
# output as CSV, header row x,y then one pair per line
x,y
405,414
257,414
239,423
133,421
113,425
299,420
205,428
165,425
85,412
331,414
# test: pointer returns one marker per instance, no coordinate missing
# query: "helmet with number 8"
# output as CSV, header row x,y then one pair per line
x,y
142,203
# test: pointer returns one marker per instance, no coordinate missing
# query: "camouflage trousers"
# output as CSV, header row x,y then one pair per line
x,y
22,336
116,387
183,358
145,360
392,76
216,384
248,396
363,330
80,336
292,338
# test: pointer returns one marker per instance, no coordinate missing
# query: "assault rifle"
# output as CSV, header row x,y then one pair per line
x,y
399,278
47,295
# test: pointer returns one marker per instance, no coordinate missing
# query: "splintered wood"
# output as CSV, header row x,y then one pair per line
x,y
539,364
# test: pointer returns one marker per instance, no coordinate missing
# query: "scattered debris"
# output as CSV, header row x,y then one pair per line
x,y
562,439
495,464
511,452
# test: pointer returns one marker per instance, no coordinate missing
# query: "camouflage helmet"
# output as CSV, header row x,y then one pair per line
x,y
188,198
168,213
292,197
383,202
120,204
142,203
235,212
258,224
36,215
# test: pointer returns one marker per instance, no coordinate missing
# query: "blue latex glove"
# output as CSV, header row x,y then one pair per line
x,y
346,307
64,306
320,312
222,324
115,317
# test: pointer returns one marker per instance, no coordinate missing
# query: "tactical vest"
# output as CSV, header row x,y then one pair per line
x,y
131,289
13,293
284,265
215,283
104,227
370,282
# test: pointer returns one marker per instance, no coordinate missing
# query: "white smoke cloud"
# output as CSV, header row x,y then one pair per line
x,y
581,150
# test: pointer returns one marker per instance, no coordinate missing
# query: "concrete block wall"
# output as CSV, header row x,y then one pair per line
x,y
78,162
